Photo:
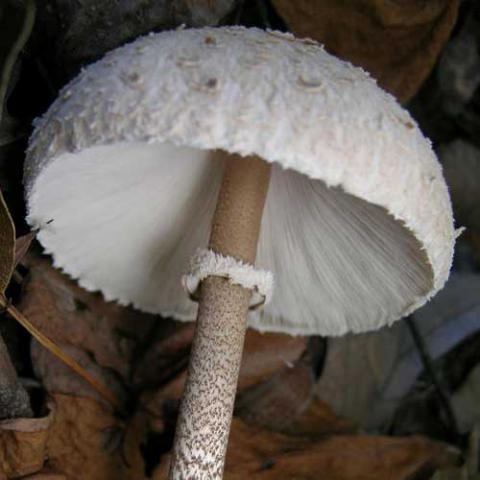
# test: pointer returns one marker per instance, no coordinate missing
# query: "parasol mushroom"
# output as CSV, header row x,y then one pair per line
x,y
268,151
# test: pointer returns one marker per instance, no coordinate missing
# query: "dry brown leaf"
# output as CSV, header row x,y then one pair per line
x,y
352,458
259,454
46,474
57,377
22,245
87,442
7,245
150,350
279,401
23,445
14,401
319,420
264,354
398,42
166,356
107,332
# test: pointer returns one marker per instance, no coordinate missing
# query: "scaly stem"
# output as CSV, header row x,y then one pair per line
x,y
205,414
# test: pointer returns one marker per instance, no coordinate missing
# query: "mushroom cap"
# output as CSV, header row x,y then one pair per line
x,y
123,171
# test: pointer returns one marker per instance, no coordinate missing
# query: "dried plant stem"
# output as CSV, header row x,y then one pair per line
x,y
59,353
205,414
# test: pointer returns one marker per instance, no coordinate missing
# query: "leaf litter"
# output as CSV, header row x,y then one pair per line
x,y
295,412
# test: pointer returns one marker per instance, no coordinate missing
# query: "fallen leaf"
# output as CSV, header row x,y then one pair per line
x,y
397,42
107,332
57,377
45,476
23,444
148,349
387,360
14,400
7,245
22,245
16,21
265,354
277,402
318,420
87,442
254,453
166,355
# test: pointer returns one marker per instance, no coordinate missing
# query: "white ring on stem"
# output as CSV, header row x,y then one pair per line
x,y
206,263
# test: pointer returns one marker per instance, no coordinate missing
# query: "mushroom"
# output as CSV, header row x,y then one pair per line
x,y
237,147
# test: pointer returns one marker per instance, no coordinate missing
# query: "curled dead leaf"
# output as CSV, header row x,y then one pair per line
x,y
22,245
23,444
14,401
397,42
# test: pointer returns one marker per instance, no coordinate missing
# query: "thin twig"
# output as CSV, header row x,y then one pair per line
x,y
59,353
432,374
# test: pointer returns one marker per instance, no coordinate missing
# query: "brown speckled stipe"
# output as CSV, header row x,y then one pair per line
x,y
206,412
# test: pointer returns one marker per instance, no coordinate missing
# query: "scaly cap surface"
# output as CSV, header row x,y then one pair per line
x,y
122,177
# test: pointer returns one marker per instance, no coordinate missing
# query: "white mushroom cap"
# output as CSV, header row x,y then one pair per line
x,y
122,178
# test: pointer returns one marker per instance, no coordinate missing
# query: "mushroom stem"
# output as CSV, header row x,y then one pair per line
x,y
205,414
